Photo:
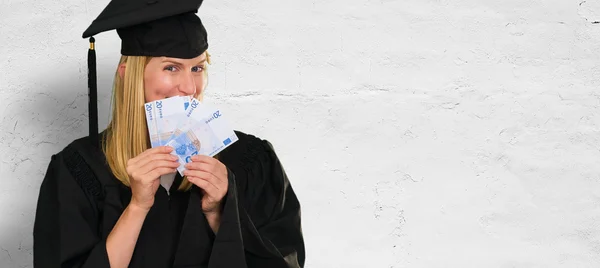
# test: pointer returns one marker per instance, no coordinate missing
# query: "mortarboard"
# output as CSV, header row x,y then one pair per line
x,y
147,28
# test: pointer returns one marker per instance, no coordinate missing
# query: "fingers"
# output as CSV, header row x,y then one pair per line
x,y
157,172
215,167
205,159
210,188
204,178
155,157
203,175
152,165
210,175
210,168
214,172
159,149
146,172
150,159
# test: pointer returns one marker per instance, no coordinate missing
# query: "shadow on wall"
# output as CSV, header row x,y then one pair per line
x,y
40,122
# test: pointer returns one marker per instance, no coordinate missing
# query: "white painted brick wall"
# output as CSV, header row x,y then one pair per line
x,y
419,133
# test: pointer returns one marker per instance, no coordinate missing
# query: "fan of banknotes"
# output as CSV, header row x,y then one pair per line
x,y
189,126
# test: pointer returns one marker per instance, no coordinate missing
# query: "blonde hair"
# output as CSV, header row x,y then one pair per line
x,y
126,135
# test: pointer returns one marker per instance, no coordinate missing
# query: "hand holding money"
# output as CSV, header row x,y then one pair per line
x,y
210,175
144,171
189,127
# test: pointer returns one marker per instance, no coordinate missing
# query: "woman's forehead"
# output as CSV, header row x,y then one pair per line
x,y
195,60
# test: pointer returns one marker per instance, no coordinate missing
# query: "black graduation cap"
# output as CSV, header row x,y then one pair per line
x,y
147,28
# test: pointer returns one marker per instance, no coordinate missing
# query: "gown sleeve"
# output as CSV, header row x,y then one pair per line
x,y
65,232
270,213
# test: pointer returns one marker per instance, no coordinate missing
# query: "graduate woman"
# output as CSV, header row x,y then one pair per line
x,y
101,203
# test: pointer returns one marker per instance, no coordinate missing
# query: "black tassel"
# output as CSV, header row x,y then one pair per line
x,y
93,95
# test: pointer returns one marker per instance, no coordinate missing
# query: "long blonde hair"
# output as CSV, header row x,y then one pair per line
x,y
126,135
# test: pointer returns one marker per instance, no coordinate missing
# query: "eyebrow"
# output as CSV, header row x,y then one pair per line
x,y
179,63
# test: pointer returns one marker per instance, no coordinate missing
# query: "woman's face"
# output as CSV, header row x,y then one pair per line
x,y
167,77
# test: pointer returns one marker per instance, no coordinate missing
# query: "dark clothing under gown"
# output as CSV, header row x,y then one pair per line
x,y
80,201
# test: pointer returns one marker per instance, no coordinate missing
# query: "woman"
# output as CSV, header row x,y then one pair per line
x,y
101,203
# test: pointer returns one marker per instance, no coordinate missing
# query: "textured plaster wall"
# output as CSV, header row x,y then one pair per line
x,y
418,133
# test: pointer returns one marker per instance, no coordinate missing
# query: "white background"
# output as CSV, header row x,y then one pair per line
x,y
416,133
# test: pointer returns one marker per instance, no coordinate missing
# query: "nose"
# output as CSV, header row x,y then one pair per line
x,y
188,85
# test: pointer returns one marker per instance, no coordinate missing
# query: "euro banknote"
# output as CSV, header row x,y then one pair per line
x,y
163,116
204,131
151,123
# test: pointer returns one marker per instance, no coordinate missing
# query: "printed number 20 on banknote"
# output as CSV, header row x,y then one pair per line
x,y
162,117
151,123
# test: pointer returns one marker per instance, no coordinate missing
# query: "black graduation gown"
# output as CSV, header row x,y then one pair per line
x,y
80,201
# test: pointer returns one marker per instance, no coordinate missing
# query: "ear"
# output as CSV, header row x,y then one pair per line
x,y
121,69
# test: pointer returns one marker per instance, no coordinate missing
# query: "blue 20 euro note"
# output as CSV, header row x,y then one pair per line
x,y
163,116
204,131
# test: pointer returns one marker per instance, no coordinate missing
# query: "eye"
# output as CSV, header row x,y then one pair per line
x,y
198,68
170,68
